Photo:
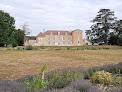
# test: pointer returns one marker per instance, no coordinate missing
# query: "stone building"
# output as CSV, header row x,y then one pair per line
x,y
56,38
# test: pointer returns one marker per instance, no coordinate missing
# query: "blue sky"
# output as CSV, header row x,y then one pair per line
x,y
57,14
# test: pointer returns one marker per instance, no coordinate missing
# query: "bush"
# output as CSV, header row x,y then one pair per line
x,y
42,47
29,47
18,48
81,85
111,68
101,77
35,48
68,48
38,82
62,77
117,80
9,47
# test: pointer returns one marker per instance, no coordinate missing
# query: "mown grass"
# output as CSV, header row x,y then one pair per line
x,y
14,64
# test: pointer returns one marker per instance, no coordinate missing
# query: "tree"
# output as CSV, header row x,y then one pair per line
x,y
116,35
6,27
25,30
103,24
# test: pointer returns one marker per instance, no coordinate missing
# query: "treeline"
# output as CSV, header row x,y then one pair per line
x,y
106,29
8,33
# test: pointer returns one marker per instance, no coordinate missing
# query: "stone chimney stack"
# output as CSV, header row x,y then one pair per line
x,y
43,30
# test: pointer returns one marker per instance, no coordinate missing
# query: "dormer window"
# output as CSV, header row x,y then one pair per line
x,y
66,33
51,33
58,33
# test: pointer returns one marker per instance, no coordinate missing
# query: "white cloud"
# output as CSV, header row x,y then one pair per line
x,y
57,14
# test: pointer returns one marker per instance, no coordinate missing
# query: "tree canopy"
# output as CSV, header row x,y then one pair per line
x,y
103,25
8,33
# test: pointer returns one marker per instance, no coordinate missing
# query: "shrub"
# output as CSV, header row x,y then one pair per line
x,y
12,86
18,48
68,48
9,47
81,85
117,80
62,77
111,68
38,81
35,48
102,77
29,47
42,47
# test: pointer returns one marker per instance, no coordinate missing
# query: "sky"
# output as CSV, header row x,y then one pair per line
x,y
57,14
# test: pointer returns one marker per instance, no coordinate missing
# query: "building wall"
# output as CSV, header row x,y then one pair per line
x,y
58,40
75,39
77,36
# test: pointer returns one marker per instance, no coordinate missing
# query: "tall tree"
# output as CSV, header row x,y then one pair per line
x,y
116,35
103,24
25,29
6,27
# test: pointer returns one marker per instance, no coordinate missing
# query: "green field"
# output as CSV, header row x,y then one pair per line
x,y
14,64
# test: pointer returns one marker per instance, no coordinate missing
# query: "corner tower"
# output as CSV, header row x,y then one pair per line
x,y
77,38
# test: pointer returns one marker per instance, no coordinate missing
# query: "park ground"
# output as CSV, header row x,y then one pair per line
x,y
14,64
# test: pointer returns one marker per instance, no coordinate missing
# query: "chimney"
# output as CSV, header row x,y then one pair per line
x,y
43,30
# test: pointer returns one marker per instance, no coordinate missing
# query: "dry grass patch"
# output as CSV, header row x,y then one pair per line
x,y
14,64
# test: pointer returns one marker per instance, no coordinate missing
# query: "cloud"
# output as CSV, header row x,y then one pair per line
x,y
57,14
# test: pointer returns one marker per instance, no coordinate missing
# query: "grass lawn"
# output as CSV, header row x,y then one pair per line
x,y
14,64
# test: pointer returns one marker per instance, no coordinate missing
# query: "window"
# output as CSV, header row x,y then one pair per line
x,y
63,42
78,38
68,42
63,38
51,33
53,38
68,38
49,43
58,33
58,43
66,33
41,42
38,38
78,33
54,42
48,38
78,42
58,38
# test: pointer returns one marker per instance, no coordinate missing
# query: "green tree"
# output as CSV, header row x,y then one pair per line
x,y
103,24
116,36
6,27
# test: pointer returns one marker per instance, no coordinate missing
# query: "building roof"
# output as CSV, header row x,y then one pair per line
x,y
41,34
55,32
30,37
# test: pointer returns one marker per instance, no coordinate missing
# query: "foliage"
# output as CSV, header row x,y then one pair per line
x,y
112,68
8,33
101,77
9,47
116,36
7,27
81,85
99,32
117,80
42,47
38,81
61,78
18,48
29,47
68,48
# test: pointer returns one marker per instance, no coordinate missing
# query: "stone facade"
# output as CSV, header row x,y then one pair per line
x,y
56,38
